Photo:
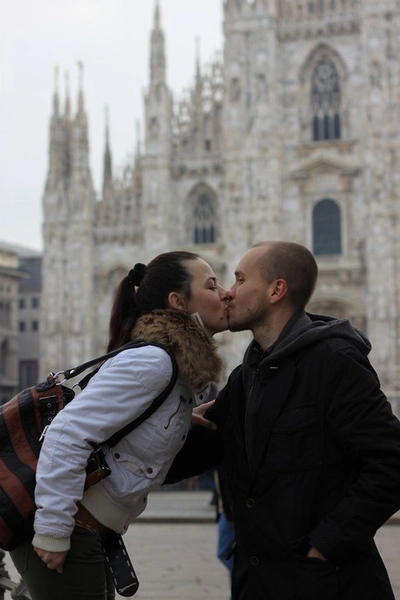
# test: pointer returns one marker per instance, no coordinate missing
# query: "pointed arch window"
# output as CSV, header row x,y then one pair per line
x,y
327,234
325,101
204,220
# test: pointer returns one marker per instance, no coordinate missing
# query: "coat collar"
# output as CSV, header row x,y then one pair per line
x,y
194,349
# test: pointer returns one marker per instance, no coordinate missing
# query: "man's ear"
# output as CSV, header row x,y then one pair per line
x,y
279,289
176,301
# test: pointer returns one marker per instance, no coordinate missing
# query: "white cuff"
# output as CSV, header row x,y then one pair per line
x,y
51,544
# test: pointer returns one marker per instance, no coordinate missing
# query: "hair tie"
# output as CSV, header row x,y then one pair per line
x,y
135,275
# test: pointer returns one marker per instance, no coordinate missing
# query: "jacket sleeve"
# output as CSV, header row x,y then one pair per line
x,y
360,419
123,388
203,449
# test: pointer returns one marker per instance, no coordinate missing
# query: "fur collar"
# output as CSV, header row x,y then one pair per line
x,y
194,349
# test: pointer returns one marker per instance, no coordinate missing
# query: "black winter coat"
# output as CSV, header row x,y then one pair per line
x,y
311,451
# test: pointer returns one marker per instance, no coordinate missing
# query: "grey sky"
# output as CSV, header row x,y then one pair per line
x,y
111,38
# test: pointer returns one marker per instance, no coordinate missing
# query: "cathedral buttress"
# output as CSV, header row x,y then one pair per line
x,y
380,23
68,203
252,136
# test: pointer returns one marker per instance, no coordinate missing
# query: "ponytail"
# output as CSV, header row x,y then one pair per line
x,y
124,313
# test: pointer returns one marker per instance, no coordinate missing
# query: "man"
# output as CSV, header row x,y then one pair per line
x,y
309,443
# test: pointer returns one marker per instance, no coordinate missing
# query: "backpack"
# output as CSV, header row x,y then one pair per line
x,y
23,423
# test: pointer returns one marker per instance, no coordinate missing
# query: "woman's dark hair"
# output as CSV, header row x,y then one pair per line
x,y
145,289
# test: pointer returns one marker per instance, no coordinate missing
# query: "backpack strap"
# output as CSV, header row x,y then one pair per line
x,y
75,371
117,437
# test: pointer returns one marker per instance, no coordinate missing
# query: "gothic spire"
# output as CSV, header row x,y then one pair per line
x,y
81,102
56,99
198,71
107,164
158,99
58,146
79,138
138,150
198,87
157,16
67,111
157,49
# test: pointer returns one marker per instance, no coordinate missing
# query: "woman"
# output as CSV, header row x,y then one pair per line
x,y
175,301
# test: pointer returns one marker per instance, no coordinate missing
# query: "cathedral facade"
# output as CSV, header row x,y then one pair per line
x,y
293,134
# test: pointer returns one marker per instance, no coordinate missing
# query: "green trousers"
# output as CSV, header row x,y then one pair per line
x,y
85,575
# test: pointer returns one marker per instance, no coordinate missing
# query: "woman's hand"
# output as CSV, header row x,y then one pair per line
x,y
198,419
53,560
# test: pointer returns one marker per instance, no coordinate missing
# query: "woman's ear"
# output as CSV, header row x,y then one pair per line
x,y
176,301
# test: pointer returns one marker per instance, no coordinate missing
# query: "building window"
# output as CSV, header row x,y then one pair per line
x,y
4,357
327,235
21,326
204,219
28,373
325,101
5,314
35,325
21,303
35,302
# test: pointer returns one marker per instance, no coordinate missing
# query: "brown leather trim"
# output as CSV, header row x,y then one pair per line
x,y
16,491
20,444
85,519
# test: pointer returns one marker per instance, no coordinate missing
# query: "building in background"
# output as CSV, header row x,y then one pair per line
x,y
292,133
10,277
29,319
20,293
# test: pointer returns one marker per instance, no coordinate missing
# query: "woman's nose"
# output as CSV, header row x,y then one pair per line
x,y
222,293
228,295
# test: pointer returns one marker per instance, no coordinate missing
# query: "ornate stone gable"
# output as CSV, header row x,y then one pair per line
x,y
315,18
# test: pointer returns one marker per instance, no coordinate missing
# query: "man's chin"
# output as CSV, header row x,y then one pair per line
x,y
232,326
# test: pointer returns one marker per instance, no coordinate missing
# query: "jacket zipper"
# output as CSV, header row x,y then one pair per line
x,y
181,401
246,412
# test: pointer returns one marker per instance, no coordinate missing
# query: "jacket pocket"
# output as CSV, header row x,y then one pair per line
x,y
316,579
134,465
295,440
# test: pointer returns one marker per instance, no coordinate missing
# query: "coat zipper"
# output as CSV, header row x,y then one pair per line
x,y
248,398
181,401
